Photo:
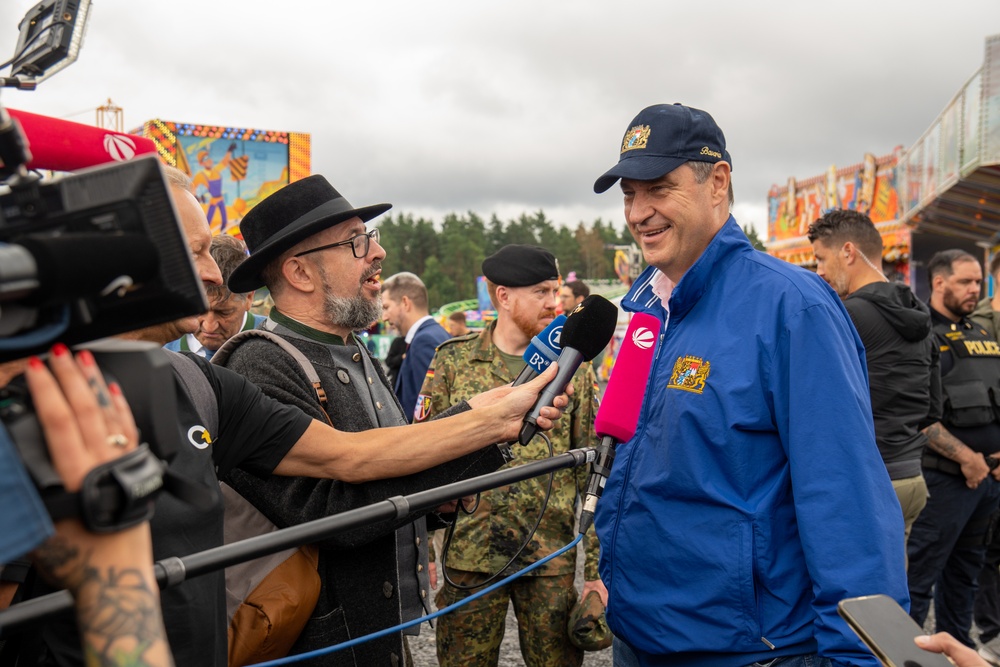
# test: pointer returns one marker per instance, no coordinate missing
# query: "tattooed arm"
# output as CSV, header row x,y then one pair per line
x,y
110,575
117,599
947,445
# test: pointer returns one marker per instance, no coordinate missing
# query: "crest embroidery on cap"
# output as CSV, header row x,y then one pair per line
x,y
635,138
689,374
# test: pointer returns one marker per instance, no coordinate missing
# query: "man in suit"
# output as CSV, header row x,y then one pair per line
x,y
404,306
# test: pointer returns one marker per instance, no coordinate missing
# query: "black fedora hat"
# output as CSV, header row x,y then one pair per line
x,y
293,213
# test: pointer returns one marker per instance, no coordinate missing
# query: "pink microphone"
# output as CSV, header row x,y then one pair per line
x,y
63,145
618,415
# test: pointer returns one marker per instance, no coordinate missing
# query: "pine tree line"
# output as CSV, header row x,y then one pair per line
x,y
448,257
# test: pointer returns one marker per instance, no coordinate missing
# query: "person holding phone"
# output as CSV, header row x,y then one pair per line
x,y
957,652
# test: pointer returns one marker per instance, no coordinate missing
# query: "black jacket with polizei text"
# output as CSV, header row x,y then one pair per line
x,y
902,369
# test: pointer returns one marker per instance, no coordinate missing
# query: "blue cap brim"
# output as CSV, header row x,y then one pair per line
x,y
640,168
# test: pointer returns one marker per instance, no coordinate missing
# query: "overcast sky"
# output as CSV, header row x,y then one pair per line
x,y
514,106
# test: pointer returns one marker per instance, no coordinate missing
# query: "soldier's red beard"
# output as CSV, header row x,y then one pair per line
x,y
531,324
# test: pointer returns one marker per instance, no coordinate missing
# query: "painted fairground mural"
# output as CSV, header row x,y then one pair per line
x,y
231,168
869,187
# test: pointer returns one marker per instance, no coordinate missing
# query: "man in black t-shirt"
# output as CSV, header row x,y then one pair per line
x,y
261,436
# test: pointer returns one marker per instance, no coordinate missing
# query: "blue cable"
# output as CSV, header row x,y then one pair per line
x,y
402,626
43,335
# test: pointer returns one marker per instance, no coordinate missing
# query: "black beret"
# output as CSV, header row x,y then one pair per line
x,y
520,265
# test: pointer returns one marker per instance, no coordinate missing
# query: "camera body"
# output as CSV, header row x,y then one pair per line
x,y
108,257
94,254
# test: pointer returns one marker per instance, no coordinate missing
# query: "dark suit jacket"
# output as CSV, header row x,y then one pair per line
x,y
415,364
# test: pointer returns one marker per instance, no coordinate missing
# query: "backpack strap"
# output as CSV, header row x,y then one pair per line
x,y
223,353
199,389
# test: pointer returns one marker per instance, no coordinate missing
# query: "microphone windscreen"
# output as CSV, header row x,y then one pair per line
x,y
62,145
82,264
544,348
618,415
590,326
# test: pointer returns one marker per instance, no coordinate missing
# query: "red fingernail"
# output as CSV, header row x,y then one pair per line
x,y
36,364
115,389
59,350
86,358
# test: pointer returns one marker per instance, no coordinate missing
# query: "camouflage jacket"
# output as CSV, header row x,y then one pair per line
x,y
484,542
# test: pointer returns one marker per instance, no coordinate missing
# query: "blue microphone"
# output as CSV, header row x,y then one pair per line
x,y
542,351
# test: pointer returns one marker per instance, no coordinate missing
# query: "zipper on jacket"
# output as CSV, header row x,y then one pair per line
x,y
628,467
756,584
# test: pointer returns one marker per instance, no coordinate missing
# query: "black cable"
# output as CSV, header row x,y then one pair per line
x,y
33,39
524,545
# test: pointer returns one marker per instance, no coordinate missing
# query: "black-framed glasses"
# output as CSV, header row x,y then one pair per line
x,y
360,244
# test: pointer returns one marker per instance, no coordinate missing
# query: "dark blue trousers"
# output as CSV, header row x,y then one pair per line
x,y
946,551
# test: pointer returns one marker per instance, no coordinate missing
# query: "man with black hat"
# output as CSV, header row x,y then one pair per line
x,y
310,247
523,282
752,498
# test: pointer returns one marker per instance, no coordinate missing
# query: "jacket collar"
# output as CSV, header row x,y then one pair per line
x,y
938,319
304,330
725,246
416,328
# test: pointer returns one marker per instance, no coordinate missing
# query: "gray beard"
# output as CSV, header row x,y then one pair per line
x,y
355,313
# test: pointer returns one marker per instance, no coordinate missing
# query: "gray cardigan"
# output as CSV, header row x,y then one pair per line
x,y
359,569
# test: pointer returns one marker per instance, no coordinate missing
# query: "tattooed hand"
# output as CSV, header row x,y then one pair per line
x,y
86,423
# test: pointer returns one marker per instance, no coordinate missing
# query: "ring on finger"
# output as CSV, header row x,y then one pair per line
x,y
117,440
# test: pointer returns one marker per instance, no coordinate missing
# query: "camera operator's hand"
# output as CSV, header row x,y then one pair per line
x,y
86,423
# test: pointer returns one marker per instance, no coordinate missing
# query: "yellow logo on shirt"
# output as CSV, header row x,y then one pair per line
x,y
689,374
199,437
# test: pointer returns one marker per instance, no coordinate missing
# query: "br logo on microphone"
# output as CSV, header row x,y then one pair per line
x,y
643,338
538,361
554,336
119,147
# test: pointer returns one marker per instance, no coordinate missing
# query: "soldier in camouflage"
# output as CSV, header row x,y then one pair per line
x,y
523,283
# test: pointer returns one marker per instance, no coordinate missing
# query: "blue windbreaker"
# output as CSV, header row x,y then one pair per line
x,y
752,498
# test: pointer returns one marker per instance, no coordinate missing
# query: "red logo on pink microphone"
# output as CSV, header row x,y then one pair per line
x,y
119,147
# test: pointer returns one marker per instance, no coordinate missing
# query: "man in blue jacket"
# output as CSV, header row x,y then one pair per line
x,y
404,306
752,498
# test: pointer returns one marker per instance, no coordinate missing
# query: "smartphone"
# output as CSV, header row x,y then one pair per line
x,y
888,631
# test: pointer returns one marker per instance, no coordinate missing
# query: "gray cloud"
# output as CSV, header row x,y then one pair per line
x,y
452,106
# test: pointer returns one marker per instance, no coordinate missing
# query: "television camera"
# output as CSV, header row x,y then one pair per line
x,y
85,256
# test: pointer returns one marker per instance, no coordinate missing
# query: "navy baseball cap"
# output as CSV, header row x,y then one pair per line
x,y
663,137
